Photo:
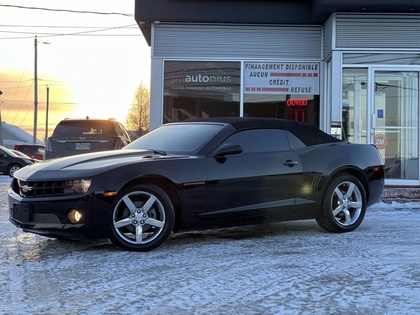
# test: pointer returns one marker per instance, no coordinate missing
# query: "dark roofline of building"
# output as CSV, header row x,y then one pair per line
x,y
314,12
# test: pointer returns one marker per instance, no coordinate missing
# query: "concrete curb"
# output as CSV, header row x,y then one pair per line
x,y
401,194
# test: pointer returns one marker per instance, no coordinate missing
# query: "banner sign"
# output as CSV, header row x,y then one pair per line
x,y
202,77
281,78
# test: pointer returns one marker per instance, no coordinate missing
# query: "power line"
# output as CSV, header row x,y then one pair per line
x,y
79,33
65,10
48,35
131,26
14,81
20,104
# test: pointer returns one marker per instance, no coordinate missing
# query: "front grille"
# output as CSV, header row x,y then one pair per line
x,y
41,189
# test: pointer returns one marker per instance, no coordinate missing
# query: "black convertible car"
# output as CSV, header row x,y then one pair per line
x,y
200,174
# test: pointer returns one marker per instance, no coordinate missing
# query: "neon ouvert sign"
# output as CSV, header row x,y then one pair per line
x,y
297,103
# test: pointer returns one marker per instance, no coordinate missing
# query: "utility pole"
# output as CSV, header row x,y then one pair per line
x,y
46,118
35,90
1,124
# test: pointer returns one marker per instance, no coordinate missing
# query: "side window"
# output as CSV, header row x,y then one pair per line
x,y
295,143
261,140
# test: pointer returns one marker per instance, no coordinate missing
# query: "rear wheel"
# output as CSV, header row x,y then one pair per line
x,y
143,218
344,205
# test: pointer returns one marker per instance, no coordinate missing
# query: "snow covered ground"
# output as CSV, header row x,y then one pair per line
x,y
283,268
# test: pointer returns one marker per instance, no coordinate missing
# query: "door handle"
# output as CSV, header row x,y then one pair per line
x,y
373,121
290,163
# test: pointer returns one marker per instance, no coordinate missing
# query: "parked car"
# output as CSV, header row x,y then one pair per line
x,y
10,162
198,175
77,136
35,151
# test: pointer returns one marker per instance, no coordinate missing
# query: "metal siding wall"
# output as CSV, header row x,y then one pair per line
x,y
237,42
377,31
328,37
156,95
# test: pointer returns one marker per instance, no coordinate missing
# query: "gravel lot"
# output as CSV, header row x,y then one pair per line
x,y
284,268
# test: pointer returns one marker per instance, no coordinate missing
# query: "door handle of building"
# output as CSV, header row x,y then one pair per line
x,y
290,163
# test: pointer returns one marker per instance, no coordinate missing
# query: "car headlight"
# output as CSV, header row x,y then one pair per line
x,y
78,186
28,161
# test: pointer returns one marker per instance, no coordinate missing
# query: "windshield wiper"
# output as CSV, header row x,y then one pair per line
x,y
160,152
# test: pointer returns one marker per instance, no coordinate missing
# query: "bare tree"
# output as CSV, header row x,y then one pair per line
x,y
138,118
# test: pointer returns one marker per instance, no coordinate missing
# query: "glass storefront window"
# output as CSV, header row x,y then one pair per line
x,y
299,107
381,107
354,103
287,90
200,89
396,101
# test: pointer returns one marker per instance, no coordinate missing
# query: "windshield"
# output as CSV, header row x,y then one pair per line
x,y
179,139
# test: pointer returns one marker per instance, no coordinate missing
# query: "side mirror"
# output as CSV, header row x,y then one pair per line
x,y
227,149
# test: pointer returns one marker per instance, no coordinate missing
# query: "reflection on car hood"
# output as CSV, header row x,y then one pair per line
x,y
89,164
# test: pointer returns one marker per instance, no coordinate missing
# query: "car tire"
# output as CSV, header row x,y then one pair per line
x,y
142,219
12,169
344,205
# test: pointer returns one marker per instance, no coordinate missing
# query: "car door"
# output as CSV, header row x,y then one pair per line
x,y
262,180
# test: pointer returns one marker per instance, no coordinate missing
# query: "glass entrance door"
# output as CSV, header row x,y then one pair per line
x,y
355,105
381,106
394,123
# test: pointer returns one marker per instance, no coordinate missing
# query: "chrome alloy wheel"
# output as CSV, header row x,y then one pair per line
x,y
139,217
346,203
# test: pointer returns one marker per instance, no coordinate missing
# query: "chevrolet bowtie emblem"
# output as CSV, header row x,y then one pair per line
x,y
26,188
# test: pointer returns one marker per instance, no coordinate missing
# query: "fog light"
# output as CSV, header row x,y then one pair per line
x,y
74,216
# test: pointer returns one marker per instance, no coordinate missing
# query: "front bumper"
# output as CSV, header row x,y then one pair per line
x,y
49,216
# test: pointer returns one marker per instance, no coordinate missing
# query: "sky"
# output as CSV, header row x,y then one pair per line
x,y
91,57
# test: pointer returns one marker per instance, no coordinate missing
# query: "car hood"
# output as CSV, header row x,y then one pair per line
x,y
88,164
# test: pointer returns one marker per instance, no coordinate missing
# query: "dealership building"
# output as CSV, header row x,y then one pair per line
x,y
350,67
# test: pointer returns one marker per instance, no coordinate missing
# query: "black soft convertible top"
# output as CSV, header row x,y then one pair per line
x,y
309,134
